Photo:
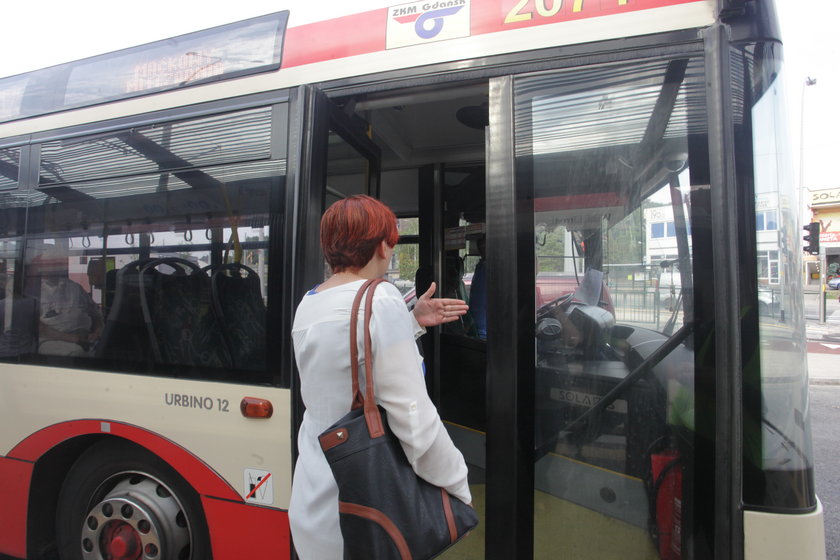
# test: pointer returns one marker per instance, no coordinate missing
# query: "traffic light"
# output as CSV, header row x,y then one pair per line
x,y
813,238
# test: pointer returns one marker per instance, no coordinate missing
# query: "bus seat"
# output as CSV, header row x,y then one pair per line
x,y
181,328
124,336
240,311
109,291
454,277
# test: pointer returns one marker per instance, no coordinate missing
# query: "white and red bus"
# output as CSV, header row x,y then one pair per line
x,y
558,163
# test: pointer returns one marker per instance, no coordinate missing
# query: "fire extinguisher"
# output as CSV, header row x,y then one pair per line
x,y
666,502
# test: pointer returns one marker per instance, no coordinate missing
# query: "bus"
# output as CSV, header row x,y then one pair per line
x,y
618,390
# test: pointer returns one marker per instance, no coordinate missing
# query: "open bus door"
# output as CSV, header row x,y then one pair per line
x,y
331,157
601,414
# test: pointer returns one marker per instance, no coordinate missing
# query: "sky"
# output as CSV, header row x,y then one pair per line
x,y
41,33
809,33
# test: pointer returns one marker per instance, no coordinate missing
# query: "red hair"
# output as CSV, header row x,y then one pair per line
x,y
353,228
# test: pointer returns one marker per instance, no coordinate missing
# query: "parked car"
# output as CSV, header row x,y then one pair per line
x,y
670,287
834,283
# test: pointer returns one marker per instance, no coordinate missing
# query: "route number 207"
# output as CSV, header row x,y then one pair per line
x,y
524,9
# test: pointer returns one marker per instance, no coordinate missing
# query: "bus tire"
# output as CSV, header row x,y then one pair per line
x,y
121,501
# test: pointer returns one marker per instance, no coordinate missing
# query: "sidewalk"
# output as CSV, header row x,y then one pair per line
x,y
824,351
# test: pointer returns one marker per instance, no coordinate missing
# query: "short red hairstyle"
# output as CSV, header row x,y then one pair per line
x,y
353,228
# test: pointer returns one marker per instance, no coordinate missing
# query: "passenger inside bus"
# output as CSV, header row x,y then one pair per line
x,y
69,320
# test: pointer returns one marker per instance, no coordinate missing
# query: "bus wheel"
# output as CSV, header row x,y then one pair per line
x,y
123,503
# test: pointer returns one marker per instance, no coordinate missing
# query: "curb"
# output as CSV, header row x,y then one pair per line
x,y
824,381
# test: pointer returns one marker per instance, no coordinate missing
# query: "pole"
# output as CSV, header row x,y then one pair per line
x,y
822,285
809,81
803,203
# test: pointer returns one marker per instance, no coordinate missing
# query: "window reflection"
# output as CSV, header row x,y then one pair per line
x,y
606,151
778,451
9,167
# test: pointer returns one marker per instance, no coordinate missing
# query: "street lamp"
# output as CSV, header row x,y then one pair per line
x,y
809,81
803,203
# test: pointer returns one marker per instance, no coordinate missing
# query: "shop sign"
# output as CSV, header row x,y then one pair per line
x,y
825,197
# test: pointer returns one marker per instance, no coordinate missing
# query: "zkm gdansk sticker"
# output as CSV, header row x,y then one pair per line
x,y
423,22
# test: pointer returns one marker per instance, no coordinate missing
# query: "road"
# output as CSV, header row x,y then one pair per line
x,y
825,412
825,418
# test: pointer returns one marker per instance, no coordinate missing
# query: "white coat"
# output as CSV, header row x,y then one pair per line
x,y
321,340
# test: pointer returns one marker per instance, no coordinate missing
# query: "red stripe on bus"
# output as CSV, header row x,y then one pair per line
x,y
491,16
204,479
365,33
240,531
15,478
336,38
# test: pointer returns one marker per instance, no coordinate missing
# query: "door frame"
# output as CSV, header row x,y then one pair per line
x,y
312,115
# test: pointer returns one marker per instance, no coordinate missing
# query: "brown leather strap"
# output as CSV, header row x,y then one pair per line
x,y
372,416
358,399
450,517
380,519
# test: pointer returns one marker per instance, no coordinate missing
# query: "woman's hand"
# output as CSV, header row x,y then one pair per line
x,y
431,312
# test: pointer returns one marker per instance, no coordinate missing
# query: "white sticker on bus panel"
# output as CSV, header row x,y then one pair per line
x,y
258,488
427,21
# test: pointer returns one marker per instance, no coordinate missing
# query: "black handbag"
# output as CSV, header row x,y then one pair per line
x,y
385,510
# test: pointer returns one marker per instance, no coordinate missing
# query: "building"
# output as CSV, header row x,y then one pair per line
x,y
825,209
661,236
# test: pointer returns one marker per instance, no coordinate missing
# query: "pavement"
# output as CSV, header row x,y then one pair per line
x,y
824,350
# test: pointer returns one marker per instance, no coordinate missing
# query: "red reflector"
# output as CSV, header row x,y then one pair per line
x,y
252,407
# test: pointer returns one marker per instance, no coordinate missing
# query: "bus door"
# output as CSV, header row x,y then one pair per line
x,y
335,159
603,167
432,177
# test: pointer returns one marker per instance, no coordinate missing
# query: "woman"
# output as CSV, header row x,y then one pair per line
x,y
358,235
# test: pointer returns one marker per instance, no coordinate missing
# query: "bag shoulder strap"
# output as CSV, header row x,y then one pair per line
x,y
373,418
358,398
